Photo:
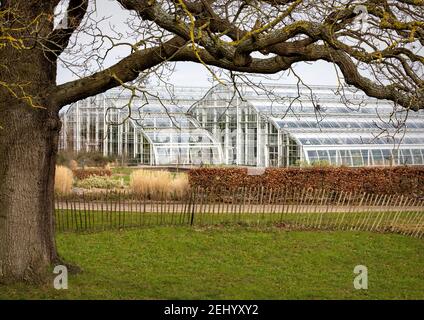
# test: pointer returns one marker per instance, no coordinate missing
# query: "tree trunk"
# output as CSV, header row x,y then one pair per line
x,y
29,131
28,147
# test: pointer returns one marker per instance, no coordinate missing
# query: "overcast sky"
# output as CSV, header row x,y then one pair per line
x,y
188,73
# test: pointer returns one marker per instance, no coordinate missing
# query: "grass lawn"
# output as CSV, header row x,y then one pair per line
x,y
235,263
93,220
123,173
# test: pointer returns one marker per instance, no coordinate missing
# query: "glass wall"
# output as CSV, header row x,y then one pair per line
x,y
234,124
152,134
245,128
366,157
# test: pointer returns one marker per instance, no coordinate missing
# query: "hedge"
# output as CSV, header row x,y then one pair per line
x,y
378,180
82,174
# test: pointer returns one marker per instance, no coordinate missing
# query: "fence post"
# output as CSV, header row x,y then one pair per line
x,y
420,223
193,206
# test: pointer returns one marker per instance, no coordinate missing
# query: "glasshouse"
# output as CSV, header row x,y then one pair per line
x,y
271,125
153,130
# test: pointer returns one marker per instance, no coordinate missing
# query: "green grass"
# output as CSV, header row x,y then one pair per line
x,y
235,263
123,170
122,173
80,220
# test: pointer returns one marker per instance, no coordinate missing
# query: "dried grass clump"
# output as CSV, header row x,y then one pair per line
x,y
150,183
158,184
179,186
63,180
73,165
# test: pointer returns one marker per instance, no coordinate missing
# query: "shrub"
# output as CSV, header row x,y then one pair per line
x,y
64,158
63,180
100,182
321,164
82,174
93,159
84,159
391,180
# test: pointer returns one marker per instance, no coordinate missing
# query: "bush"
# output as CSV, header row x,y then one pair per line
x,y
63,180
321,164
392,180
156,184
82,174
64,158
93,159
83,159
100,182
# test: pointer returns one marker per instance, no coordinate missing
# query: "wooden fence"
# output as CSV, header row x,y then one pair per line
x,y
285,207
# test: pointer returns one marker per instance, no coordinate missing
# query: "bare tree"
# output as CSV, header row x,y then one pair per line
x,y
383,58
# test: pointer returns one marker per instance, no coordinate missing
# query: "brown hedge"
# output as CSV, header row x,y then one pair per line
x,y
82,174
393,180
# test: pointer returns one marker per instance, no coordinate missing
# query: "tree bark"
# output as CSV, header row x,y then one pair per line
x,y
29,131
28,148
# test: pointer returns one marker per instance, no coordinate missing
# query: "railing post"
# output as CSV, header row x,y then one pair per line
x,y
193,211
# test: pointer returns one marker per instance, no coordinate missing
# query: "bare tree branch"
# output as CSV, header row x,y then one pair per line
x,y
126,70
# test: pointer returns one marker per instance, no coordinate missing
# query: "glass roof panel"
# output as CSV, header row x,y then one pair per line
x,y
179,136
355,138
